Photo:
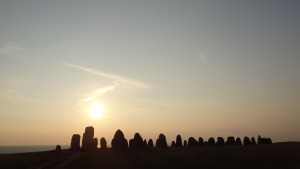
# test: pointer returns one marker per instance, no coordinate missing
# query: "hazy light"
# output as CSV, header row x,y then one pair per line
x,y
96,110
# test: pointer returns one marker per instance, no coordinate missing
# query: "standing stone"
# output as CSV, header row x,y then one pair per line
x,y
185,143
88,139
161,141
247,141
253,141
131,143
150,143
178,141
138,140
230,141
103,143
95,143
75,142
220,141
201,141
238,141
145,143
192,142
173,144
119,141
211,141
58,148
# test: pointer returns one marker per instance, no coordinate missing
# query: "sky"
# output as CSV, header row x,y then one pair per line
x,y
195,68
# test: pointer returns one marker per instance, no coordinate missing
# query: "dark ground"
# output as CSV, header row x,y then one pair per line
x,y
278,155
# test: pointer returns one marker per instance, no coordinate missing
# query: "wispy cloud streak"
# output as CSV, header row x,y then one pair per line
x,y
114,77
98,92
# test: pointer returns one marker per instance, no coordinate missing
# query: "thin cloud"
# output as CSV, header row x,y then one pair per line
x,y
98,92
11,48
114,77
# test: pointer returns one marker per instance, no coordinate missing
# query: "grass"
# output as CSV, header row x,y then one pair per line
x,y
279,155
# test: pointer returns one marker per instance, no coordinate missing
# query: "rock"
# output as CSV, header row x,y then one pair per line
x,y
150,143
253,141
220,141
192,142
75,142
95,143
269,141
161,141
103,143
185,143
173,144
211,141
131,143
178,141
238,141
201,141
88,139
247,141
230,141
138,140
261,140
119,141
145,143
58,148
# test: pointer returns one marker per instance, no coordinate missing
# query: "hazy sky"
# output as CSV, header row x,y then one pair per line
x,y
195,68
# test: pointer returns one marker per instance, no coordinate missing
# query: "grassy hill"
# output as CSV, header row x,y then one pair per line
x,y
279,155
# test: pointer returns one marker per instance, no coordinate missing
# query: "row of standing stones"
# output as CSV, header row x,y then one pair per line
x,y
120,142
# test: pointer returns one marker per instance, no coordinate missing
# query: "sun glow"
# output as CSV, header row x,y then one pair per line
x,y
96,110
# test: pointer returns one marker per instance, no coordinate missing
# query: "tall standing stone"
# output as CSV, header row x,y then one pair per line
x,y
103,143
178,141
88,139
138,140
161,141
75,142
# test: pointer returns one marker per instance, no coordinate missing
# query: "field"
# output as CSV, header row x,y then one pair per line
x,y
278,155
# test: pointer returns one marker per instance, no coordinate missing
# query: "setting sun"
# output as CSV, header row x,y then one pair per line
x,y
96,110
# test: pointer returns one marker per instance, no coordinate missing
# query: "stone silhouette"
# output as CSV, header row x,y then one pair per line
x,y
220,141
173,144
201,141
178,141
161,142
253,141
211,141
95,143
138,140
246,141
185,143
145,143
261,140
88,142
75,142
103,143
238,141
119,141
192,142
131,143
230,140
150,143
58,148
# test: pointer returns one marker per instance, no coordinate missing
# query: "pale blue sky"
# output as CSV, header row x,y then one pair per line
x,y
195,68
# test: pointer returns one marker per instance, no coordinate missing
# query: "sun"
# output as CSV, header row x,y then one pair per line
x,y
96,110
